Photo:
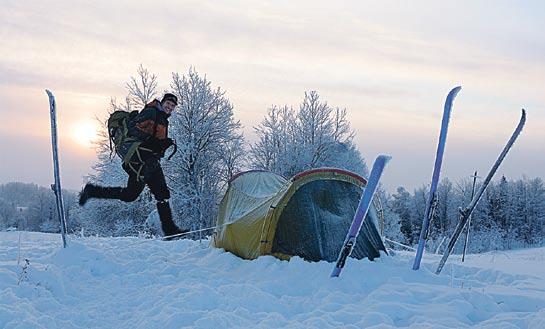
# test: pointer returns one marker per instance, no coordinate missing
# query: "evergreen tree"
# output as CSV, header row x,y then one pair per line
x,y
401,205
392,220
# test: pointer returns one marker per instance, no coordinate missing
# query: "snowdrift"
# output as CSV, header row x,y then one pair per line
x,y
138,283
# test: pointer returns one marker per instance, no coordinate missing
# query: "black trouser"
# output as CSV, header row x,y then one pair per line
x,y
153,177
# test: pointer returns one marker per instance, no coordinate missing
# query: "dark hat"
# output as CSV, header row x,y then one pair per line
x,y
170,97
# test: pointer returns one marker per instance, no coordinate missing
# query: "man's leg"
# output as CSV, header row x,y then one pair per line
x,y
127,194
155,179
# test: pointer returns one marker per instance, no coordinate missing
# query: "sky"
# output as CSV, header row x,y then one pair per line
x,y
389,63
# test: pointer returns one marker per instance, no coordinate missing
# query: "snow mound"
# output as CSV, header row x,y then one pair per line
x,y
138,283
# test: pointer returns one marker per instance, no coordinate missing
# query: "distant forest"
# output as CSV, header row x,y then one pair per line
x,y
510,215
30,207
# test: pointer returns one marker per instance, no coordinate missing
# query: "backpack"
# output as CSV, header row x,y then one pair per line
x,y
118,132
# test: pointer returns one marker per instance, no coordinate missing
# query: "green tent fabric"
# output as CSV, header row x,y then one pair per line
x,y
308,216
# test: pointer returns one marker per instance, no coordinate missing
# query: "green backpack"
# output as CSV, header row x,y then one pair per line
x,y
118,131
125,145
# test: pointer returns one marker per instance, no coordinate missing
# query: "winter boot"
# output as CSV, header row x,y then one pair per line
x,y
167,224
88,192
94,191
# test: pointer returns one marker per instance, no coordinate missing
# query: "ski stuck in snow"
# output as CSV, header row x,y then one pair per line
x,y
465,214
432,198
56,186
361,212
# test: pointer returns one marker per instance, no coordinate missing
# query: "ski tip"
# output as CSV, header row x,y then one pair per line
x,y
522,121
454,91
51,98
50,95
384,158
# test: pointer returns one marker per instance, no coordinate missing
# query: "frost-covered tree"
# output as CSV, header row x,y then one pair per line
x,y
534,233
419,200
233,157
444,205
401,204
209,148
324,136
276,149
392,220
519,227
7,214
142,88
317,135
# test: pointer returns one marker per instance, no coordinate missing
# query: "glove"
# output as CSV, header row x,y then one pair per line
x,y
164,144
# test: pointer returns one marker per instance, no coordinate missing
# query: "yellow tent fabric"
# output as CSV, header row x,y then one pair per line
x,y
244,210
314,209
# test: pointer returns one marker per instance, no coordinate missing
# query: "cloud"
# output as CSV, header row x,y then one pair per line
x,y
389,64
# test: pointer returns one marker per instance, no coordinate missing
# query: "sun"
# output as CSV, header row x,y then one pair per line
x,y
84,133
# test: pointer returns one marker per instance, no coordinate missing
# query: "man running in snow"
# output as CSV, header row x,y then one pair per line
x,y
148,141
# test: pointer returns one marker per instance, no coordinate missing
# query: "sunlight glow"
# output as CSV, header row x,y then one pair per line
x,y
84,133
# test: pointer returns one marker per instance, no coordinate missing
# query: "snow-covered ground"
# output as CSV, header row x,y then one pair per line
x,y
138,283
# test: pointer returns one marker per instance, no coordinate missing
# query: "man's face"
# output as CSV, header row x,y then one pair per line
x,y
169,106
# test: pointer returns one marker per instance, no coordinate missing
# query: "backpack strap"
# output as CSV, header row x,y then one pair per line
x,y
111,148
173,152
131,151
155,125
137,172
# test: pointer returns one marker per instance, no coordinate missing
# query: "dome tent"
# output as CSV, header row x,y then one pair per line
x,y
262,213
